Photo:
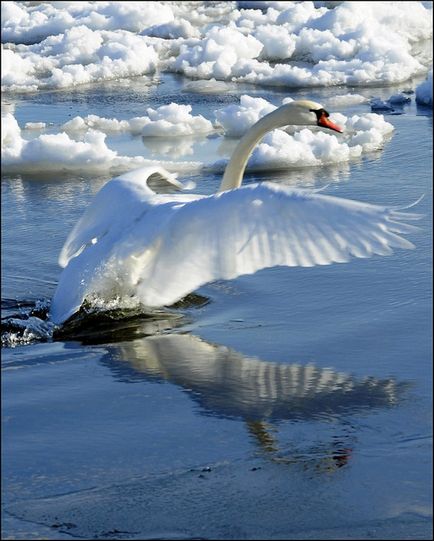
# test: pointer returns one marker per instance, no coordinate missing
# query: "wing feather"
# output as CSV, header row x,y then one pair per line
x,y
245,230
159,250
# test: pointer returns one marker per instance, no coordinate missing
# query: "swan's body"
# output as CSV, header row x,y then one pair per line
x,y
160,247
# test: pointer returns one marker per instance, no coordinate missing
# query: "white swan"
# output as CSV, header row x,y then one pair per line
x,y
157,248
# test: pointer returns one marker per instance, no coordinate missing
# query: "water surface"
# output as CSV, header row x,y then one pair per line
x,y
294,403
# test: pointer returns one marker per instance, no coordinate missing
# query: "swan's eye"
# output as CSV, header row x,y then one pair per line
x,y
320,113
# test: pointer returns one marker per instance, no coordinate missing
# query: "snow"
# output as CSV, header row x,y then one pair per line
x,y
308,44
344,100
354,43
172,30
278,44
424,91
106,125
261,5
210,86
81,143
174,120
17,72
35,125
60,152
78,56
33,23
306,147
171,120
281,150
219,55
237,119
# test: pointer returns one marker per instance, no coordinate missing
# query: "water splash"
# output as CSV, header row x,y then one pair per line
x,y
28,321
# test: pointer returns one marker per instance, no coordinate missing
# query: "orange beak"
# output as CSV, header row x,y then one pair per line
x,y
326,123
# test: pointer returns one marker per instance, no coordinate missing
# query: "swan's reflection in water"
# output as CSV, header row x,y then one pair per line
x,y
228,384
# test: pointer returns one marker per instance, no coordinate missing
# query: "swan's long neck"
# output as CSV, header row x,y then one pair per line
x,y
234,172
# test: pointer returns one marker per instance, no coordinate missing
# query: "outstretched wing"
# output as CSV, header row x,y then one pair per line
x,y
170,249
118,203
241,231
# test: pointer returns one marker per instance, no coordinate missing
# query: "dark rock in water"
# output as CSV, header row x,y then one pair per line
x,y
379,105
399,99
390,105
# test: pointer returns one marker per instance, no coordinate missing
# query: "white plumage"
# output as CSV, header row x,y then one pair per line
x,y
158,247
132,242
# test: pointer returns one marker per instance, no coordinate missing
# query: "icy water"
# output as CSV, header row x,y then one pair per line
x,y
291,404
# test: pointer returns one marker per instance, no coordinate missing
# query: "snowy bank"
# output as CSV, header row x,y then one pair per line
x,y
353,43
294,44
79,56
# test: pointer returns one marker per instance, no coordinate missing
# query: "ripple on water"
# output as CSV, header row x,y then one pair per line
x,y
28,321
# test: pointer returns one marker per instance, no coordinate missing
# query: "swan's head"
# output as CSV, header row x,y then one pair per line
x,y
308,113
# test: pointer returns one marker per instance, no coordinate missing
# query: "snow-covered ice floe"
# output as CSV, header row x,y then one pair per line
x,y
32,22
305,147
295,44
353,43
171,120
79,56
236,119
345,100
81,143
424,91
59,152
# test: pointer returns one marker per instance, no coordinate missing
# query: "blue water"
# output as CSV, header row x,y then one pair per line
x,y
295,403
